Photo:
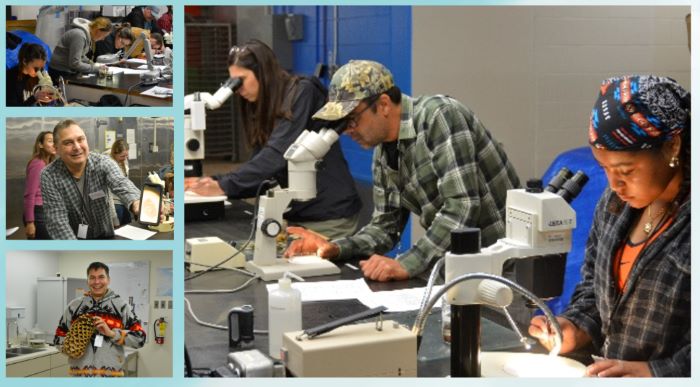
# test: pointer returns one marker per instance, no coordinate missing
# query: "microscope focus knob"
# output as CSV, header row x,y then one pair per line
x,y
192,144
271,227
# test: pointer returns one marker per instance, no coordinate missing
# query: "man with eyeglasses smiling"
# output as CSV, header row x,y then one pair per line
x,y
432,157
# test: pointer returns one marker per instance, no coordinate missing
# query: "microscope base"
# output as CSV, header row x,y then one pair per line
x,y
525,364
305,267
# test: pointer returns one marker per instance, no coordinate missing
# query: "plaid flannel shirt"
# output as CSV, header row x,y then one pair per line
x,y
451,174
64,206
650,321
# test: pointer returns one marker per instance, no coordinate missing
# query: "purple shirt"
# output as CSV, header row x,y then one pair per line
x,y
32,191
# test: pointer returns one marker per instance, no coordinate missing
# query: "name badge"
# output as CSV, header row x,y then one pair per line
x,y
97,195
99,339
82,231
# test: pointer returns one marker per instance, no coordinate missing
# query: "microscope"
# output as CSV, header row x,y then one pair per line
x,y
303,158
210,250
538,236
196,123
539,223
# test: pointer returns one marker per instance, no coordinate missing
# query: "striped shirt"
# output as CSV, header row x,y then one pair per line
x,y
451,174
64,206
650,319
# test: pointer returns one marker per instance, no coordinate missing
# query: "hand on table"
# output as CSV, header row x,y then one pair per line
x,y
383,269
308,242
205,186
619,368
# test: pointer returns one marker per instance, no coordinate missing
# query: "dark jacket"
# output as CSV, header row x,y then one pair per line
x,y
19,88
336,197
136,19
105,46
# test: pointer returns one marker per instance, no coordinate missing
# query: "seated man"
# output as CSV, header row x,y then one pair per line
x,y
432,157
75,188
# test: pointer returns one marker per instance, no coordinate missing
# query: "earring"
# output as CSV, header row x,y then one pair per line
x,y
673,162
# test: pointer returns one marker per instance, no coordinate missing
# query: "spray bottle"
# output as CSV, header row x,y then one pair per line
x,y
284,311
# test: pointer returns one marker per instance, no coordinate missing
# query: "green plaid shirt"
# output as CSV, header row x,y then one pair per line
x,y
451,174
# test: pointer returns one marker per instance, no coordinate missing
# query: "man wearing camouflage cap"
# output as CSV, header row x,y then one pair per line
x,y
432,157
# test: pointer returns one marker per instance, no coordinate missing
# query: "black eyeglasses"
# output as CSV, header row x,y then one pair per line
x,y
352,118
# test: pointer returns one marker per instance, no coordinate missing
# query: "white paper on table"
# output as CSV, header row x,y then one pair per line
x,y
134,71
136,60
328,290
193,197
398,300
159,92
155,67
134,233
115,70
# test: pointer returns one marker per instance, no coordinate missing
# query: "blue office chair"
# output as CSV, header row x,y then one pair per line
x,y
15,40
584,205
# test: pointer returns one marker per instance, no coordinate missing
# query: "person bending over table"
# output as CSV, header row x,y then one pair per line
x,y
432,157
633,301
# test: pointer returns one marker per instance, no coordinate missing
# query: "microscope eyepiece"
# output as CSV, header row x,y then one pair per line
x,y
572,187
234,83
555,184
533,186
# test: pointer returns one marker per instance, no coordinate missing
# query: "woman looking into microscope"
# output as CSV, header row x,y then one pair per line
x,y
633,301
276,107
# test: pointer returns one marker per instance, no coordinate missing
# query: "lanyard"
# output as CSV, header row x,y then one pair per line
x,y
85,212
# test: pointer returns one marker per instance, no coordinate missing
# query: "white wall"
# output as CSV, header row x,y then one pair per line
x,y
531,73
154,359
22,269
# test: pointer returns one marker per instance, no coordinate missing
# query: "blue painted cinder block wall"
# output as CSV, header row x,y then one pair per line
x,y
377,33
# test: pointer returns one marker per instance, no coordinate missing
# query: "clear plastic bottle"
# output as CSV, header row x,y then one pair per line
x,y
284,312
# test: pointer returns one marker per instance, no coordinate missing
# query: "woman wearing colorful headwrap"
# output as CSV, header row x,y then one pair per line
x,y
633,301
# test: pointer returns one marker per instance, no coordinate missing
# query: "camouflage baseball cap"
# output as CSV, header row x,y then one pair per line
x,y
352,83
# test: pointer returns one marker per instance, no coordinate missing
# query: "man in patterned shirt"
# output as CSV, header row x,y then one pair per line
x,y
432,157
75,188
116,327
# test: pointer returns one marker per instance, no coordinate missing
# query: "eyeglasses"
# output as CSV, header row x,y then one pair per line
x,y
236,50
353,118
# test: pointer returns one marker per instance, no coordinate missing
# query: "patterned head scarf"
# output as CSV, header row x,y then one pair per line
x,y
352,83
636,112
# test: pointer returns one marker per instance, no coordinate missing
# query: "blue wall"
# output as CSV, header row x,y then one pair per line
x,y
378,33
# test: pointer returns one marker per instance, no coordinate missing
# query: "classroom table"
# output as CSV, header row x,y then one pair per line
x,y
91,87
208,347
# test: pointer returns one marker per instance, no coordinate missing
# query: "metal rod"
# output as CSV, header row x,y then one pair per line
x,y
465,325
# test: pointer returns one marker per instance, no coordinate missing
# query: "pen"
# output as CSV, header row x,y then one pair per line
x,y
351,266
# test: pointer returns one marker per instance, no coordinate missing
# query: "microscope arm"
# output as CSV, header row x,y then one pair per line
x,y
213,102
302,158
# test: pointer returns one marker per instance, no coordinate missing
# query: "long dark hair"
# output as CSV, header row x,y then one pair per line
x,y
27,53
259,117
38,152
